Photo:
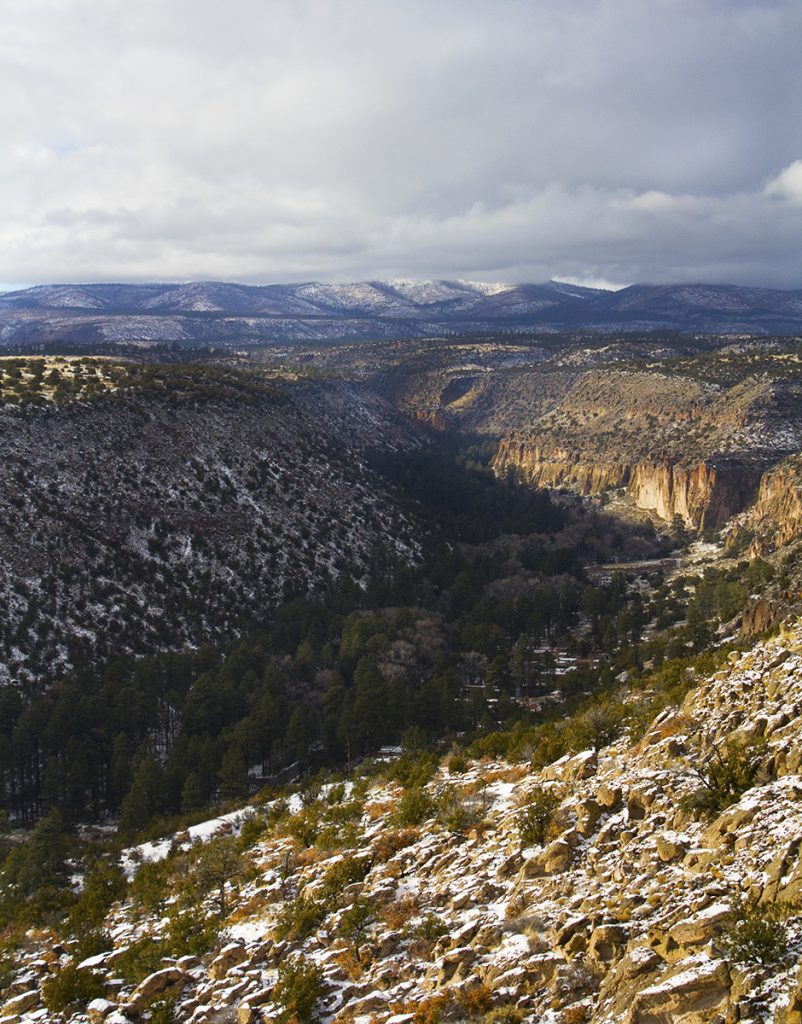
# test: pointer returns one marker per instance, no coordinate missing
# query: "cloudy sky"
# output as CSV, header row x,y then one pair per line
x,y
498,140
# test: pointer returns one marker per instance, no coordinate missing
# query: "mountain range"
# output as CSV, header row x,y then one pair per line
x,y
204,313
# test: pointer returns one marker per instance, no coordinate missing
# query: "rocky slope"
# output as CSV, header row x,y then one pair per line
x,y
166,515
630,910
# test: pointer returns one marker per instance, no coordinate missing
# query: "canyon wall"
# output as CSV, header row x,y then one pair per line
x,y
777,515
703,493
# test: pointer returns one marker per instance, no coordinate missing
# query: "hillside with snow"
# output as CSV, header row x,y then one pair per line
x,y
221,313
628,883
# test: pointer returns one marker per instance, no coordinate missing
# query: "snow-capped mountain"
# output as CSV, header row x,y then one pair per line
x,y
233,314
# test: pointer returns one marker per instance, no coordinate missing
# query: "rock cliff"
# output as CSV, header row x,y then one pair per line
x,y
702,494
776,518
676,445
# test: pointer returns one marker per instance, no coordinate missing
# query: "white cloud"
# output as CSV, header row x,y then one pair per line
x,y
788,183
283,139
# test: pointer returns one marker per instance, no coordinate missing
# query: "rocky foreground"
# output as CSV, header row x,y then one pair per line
x,y
636,907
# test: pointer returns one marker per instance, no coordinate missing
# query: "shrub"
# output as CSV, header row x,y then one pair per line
x,y
414,807
466,1005
356,921
298,990
93,942
141,958
192,931
475,1002
397,913
431,1010
414,769
72,986
597,726
549,745
389,843
304,826
457,812
216,865
504,1015
431,927
755,934
252,830
425,935
534,820
10,944
344,873
299,918
729,772
162,1012
457,764
150,886
104,883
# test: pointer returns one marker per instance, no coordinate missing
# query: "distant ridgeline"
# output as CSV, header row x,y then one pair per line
x,y
219,315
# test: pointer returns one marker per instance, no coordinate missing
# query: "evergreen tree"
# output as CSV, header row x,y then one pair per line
x,y
233,774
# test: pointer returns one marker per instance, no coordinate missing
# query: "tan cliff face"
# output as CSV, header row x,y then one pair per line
x,y
558,467
702,494
778,508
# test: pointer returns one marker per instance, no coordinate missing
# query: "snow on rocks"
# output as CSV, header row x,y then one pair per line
x,y
620,916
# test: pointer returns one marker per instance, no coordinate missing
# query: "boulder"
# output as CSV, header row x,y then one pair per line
x,y
388,943
229,956
489,935
609,796
577,925
588,813
369,1004
556,857
731,820
455,963
692,995
509,866
583,765
607,943
671,846
702,927
21,1003
99,1009
169,980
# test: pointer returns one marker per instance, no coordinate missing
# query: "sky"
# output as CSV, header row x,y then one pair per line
x,y
597,141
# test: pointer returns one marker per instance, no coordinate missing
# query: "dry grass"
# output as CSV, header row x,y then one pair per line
x,y
397,913
349,962
379,809
389,843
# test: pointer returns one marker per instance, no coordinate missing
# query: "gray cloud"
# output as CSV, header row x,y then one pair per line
x,y
269,140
